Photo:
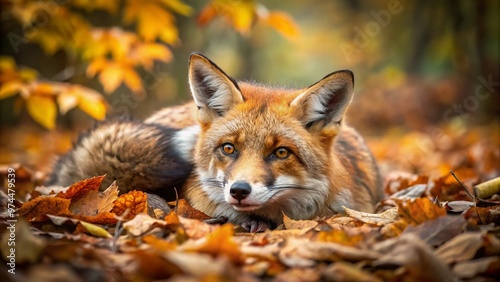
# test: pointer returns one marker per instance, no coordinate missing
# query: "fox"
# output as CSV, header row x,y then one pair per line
x,y
242,151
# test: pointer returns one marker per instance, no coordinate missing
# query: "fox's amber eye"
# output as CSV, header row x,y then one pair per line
x,y
227,148
282,153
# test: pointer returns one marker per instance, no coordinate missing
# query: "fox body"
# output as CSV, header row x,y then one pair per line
x,y
252,154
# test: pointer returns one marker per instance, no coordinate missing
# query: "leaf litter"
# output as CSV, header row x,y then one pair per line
x,y
428,228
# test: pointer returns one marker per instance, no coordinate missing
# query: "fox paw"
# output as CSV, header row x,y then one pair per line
x,y
256,226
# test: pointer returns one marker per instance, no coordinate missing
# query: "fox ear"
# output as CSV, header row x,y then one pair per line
x,y
323,104
214,92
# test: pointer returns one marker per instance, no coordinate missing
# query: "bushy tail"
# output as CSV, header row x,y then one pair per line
x,y
138,156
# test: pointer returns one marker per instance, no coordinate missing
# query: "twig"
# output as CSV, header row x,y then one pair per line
x,y
472,196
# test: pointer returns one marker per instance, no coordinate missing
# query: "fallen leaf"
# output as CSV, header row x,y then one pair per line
x,y
82,187
39,207
141,224
196,229
340,236
472,268
460,248
304,253
95,230
184,209
94,202
298,224
439,230
211,244
344,271
417,258
417,211
135,201
379,219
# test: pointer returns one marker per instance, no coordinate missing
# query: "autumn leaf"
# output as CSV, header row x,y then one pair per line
x,y
419,210
283,23
184,209
299,224
386,217
82,187
135,201
211,244
95,230
95,202
43,205
43,110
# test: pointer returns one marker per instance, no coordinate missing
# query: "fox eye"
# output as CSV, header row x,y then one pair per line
x,y
227,148
281,153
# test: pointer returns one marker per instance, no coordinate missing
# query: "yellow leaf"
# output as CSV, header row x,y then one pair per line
x,y
132,80
178,7
111,77
7,63
92,103
9,89
283,23
66,101
95,230
43,110
148,52
28,74
242,16
96,66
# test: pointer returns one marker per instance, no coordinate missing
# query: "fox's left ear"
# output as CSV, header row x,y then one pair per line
x,y
323,104
214,92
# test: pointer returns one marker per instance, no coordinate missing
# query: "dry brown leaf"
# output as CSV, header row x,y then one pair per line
x,y
184,209
439,230
95,202
298,224
304,253
135,201
80,188
142,223
344,271
379,219
196,229
417,258
470,269
460,248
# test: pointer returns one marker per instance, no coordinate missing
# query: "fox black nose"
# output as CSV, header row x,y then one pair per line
x,y
240,190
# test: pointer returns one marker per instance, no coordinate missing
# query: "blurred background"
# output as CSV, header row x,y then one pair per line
x,y
427,73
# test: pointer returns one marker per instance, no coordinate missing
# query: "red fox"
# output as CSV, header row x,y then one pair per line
x,y
242,151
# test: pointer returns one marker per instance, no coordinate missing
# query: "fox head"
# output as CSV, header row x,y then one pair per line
x,y
264,151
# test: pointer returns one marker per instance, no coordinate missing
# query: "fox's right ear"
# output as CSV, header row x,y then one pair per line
x,y
214,92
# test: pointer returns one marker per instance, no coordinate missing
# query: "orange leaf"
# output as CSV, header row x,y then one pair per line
x,y
10,88
283,23
184,209
82,187
216,243
111,77
418,211
43,205
135,201
132,80
206,15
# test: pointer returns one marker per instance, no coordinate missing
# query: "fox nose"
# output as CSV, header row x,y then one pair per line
x,y
240,190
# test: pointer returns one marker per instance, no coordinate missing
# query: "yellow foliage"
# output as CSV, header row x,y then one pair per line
x,y
243,15
42,109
